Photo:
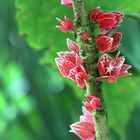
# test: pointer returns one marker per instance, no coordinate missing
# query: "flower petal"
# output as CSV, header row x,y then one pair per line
x,y
124,69
103,62
72,46
84,130
104,43
81,77
116,41
68,56
67,2
64,66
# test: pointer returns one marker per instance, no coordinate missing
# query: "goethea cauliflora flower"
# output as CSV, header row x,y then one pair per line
x,y
66,25
85,127
91,103
71,66
106,20
107,44
72,46
84,36
67,2
111,69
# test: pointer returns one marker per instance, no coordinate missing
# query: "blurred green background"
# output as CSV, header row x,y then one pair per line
x,y
36,102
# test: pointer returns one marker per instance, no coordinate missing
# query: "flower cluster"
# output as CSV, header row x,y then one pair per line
x,y
85,127
71,66
109,68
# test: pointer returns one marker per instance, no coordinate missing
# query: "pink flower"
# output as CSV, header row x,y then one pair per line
x,y
106,21
85,127
92,103
71,66
66,25
94,13
107,44
67,2
84,35
72,46
110,68
81,77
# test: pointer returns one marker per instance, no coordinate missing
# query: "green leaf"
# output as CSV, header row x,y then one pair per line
x,y
133,126
37,21
120,100
131,41
125,5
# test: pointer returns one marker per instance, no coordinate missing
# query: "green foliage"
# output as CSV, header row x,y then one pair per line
x,y
120,100
37,21
35,101
133,123
131,41
125,5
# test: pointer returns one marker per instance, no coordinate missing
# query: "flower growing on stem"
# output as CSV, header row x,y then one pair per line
x,y
71,66
107,44
67,2
66,25
91,103
85,127
111,69
72,46
106,20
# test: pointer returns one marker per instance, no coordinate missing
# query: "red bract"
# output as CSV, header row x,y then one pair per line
x,y
112,68
85,127
81,77
67,2
106,21
107,44
66,25
72,46
92,103
84,35
71,66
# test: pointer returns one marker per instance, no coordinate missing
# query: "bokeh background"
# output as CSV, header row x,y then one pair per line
x,y
36,102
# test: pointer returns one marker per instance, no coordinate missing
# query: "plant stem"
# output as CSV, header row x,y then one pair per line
x,y
88,51
100,124
89,55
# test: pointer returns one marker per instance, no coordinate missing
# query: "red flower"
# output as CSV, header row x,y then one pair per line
x,y
71,66
84,36
94,13
92,103
106,21
107,44
67,2
72,46
66,25
112,68
85,127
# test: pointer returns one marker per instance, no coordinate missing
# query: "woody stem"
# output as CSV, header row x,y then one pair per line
x,y
89,55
